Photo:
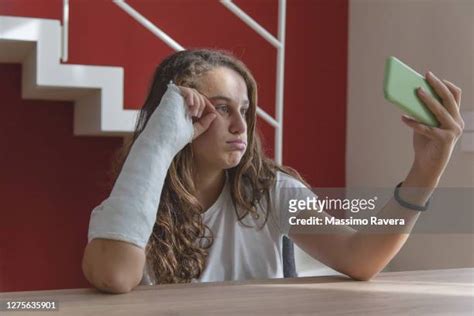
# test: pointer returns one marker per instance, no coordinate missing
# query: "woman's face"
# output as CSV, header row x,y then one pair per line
x,y
227,91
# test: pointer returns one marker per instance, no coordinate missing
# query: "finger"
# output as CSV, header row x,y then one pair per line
x,y
186,95
201,125
202,104
189,100
190,106
209,106
449,102
422,129
196,104
439,111
455,90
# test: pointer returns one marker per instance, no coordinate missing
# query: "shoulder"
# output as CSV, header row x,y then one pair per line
x,y
285,186
286,180
288,187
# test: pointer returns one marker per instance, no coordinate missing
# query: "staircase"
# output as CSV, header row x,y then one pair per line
x,y
97,91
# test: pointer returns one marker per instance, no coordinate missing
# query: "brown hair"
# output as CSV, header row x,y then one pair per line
x,y
177,249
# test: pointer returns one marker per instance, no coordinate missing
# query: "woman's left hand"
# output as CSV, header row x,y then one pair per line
x,y
433,145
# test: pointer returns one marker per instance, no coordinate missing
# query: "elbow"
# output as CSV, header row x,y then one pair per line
x,y
362,275
114,285
113,266
106,281
109,283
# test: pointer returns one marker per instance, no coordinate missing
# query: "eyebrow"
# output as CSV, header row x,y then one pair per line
x,y
221,97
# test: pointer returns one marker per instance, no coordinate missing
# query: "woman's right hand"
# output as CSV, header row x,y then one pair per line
x,y
200,108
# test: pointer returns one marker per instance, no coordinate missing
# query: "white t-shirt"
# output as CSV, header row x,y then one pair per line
x,y
242,253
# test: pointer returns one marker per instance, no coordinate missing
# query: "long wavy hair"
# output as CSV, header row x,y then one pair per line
x,y
177,249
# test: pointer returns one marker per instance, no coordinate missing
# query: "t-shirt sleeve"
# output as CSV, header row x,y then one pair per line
x,y
284,195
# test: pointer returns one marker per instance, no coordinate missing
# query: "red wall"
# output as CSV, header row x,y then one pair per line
x,y
50,181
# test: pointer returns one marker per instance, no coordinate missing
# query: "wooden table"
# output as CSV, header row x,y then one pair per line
x,y
431,292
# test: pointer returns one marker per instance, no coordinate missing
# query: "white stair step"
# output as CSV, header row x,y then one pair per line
x,y
97,91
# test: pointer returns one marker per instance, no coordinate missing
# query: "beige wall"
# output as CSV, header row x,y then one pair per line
x,y
434,35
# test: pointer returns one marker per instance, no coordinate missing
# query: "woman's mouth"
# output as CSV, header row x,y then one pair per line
x,y
237,144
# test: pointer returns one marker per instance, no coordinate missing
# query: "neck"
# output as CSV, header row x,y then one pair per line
x,y
209,185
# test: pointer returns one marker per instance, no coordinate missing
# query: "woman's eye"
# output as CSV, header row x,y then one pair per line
x,y
244,111
223,108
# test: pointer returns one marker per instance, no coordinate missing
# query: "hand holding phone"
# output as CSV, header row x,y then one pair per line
x,y
400,84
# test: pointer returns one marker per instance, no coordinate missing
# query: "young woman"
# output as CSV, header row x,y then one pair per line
x,y
197,200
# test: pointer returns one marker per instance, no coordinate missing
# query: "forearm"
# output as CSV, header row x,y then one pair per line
x,y
120,227
372,251
129,213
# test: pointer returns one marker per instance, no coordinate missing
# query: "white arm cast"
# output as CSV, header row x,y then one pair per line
x,y
129,213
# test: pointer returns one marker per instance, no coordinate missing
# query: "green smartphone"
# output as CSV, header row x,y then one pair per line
x,y
400,84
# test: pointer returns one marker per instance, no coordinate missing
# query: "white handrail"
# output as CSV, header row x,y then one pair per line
x,y
251,22
65,31
148,25
267,117
246,19
280,67
280,82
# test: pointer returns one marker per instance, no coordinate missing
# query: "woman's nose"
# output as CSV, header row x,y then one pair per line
x,y
238,124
